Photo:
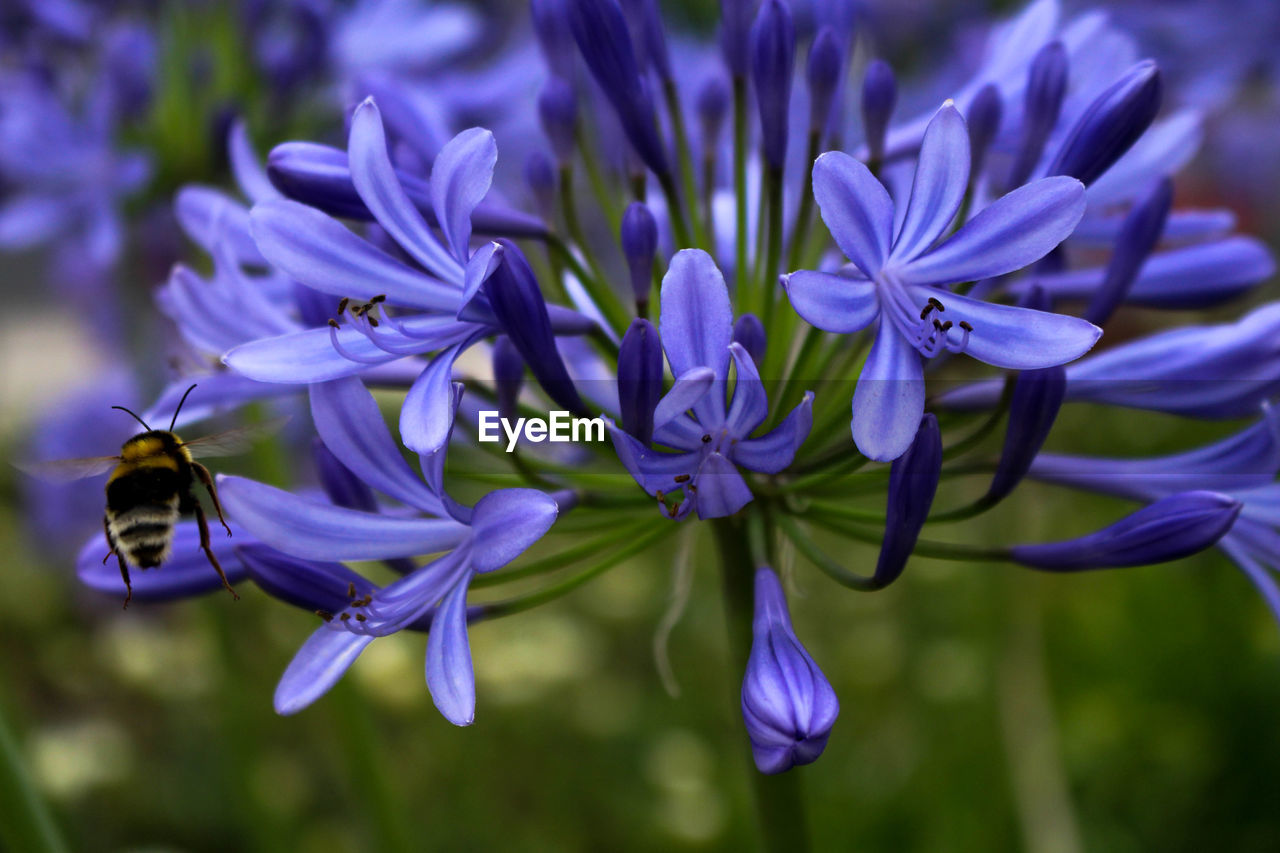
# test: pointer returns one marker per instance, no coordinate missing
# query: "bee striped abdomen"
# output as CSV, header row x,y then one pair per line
x,y
144,498
143,534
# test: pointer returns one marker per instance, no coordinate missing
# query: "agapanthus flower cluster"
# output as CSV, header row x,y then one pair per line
x,y
756,272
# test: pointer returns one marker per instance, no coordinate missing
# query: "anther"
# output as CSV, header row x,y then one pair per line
x,y
964,324
360,617
925,311
936,304
660,495
682,478
351,589
325,615
333,322
373,321
706,439
345,616
381,297
343,303
946,326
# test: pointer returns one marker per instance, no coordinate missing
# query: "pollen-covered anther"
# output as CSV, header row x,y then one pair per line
x,y
342,304
351,589
325,615
682,478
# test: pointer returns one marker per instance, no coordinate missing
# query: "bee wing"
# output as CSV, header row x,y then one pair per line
x,y
66,470
234,441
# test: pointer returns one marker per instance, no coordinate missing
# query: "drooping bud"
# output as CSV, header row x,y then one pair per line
x,y
713,106
735,25
822,75
985,113
600,29
1111,124
639,379
558,112
521,311
540,175
773,55
1137,238
749,332
879,96
1173,527
913,481
639,243
1046,86
788,705
1037,396
318,176
508,376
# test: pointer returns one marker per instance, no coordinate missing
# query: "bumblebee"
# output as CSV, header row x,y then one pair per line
x,y
152,484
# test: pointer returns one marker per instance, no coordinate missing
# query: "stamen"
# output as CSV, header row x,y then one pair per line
x,y
342,304
347,354
682,478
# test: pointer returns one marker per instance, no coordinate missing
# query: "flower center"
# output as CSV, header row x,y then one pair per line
x,y
927,328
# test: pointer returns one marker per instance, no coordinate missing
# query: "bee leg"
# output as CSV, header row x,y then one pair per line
x,y
203,522
207,480
128,585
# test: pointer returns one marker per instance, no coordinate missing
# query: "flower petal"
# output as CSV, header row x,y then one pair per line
x,y
833,303
721,491
1008,234
460,178
322,660
773,451
450,676
316,531
889,399
942,173
750,404
310,584
506,523
654,471
688,389
856,208
322,253
697,320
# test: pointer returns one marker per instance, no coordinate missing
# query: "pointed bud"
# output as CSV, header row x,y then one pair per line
x,y
520,310
749,332
639,379
788,705
639,243
713,107
735,25
773,56
1111,124
508,376
822,75
1173,527
913,481
551,28
985,113
318,175
879,96
1138,236
1046,86
1037,396
540,175
558,112
600,29
645,20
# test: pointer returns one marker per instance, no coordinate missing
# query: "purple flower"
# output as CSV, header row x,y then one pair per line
x,y
899,275
787,703
697,334
471,540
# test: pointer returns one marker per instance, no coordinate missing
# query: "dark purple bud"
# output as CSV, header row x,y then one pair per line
x,y
600,29
749,332
879,95
1173,527
645,20
558,111
318,175
1111,124
985,113
341,486
551,28
639,379
521,311
822,74
508,376
1138,236
773,56
1046,86
639,243
540,175
913,480
713,107
788,705
129,60
735,26
1037,396
309,584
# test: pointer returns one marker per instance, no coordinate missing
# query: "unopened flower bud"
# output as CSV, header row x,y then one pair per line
x,y
639,243
639,379
558,112
879,96
985,113
773,54
1046,86
508,376
1111,124
1138,236
1037,396
749,332
822,74
913,481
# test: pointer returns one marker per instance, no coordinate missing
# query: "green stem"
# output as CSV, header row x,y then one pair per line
x,y
686,161
679,223
783,318
925,548
779,805
801,232
561,558
829,566
599,188
25,820
603,296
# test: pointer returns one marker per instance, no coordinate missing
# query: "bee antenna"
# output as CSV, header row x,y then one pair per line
x,y
135,417
179,409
